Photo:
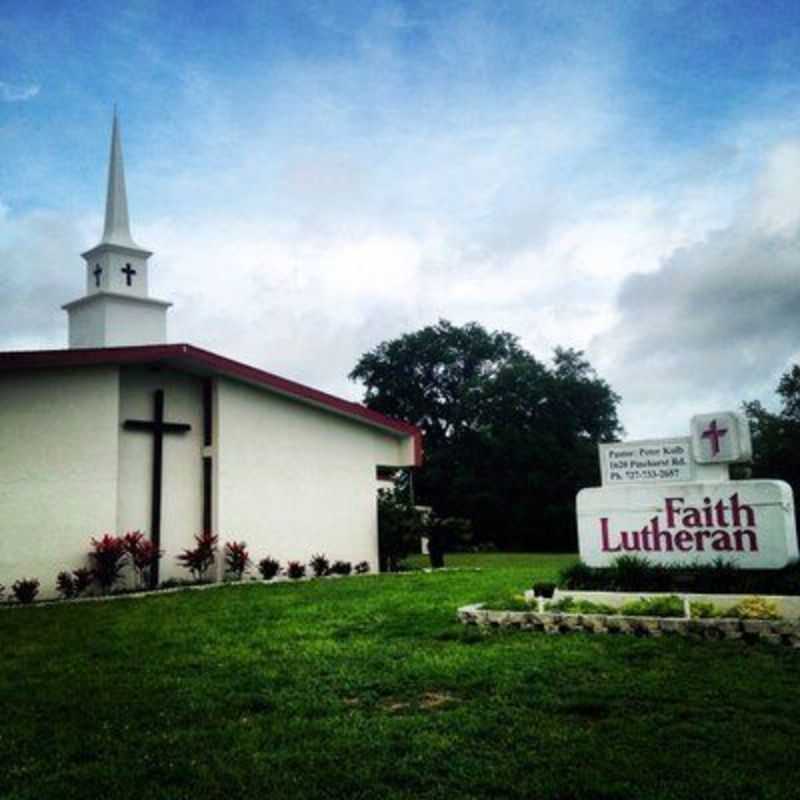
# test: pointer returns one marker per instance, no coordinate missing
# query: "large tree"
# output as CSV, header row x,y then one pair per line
x,y
776,436
508,440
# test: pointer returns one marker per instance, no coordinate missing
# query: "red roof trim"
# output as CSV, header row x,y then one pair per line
x,y
175,354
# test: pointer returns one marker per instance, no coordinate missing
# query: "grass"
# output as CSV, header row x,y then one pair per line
x,y
368,688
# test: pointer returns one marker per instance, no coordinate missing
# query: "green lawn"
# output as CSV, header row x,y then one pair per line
x,y
368,687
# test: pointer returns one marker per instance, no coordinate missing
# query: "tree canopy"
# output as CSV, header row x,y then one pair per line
x,y
776,436
508,440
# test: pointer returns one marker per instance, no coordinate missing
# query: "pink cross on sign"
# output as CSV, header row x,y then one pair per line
x,y
714,434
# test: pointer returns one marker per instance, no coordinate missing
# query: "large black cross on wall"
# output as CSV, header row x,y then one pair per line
x,y
158,428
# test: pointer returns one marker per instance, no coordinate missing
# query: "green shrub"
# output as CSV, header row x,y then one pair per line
x,y
507,602
632,573
569,605
702,610
544,589
582,576
722,576
755,608
671,606
341,568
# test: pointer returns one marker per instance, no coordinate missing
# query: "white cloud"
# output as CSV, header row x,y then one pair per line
x,y
14,93
717,323
306,212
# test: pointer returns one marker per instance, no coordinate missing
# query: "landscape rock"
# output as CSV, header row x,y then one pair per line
x,y
777,632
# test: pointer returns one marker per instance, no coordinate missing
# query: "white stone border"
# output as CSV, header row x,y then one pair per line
x,y
252,581
782,632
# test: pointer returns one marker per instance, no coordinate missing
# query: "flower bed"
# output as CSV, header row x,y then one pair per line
x,y
694,604
775,620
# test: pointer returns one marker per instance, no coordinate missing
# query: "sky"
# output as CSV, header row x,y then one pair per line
x,y
317,177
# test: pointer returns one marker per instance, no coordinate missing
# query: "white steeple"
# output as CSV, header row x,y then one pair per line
x,y
117,228
116,310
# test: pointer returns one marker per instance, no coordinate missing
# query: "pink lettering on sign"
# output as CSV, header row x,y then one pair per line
x,y
723,527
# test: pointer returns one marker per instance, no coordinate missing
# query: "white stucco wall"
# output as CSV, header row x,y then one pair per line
x,y
290,479
106,319
58,469
182,495
293,480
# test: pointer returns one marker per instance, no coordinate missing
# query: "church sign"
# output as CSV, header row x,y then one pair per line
x,y
671,501
647,461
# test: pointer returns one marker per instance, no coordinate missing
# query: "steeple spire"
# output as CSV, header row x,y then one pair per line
x,y
117,227
116,310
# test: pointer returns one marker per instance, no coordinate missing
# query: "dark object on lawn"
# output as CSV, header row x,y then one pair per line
x,y
320,565
399,527
362,568
341,568
25,590
445,533
269,568
295,570
544,589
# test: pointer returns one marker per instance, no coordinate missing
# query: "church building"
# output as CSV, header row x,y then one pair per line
x,y
123,431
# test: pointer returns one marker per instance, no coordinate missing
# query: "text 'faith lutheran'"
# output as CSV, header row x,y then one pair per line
x,y
724,527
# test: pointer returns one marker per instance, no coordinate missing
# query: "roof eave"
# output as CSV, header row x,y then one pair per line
x,y
194,359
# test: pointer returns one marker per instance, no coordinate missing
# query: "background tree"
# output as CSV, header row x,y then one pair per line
x,y
776,437
508,440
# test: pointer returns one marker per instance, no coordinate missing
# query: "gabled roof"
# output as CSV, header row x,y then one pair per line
x,y
194,360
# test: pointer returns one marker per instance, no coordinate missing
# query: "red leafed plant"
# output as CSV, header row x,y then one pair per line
x,y
237,559
74,584
199,558
320,565
65,584
295,570
143,553
269,568
25,590
109,556
82,580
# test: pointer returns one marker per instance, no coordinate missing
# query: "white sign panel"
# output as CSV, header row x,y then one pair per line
x,y
653,460
721,438
749,522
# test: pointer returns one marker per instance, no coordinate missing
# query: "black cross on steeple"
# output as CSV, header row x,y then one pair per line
x,y
98,271
129,273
